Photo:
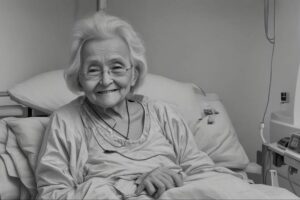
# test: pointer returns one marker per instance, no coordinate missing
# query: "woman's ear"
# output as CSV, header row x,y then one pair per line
x,y
79,84
135,76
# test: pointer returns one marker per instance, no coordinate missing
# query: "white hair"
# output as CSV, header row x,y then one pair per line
x,y
102,26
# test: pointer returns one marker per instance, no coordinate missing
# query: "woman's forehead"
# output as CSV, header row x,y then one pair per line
x,y
110,48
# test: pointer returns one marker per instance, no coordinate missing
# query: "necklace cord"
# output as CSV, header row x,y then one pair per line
x,y
119,133
128,120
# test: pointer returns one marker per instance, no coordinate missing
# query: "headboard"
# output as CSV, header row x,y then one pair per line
x,y
16,109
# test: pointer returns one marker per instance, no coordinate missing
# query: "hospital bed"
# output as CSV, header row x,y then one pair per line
x,y
22,126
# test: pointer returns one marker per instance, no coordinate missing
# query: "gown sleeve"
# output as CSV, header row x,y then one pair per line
x,y
191,160
58,172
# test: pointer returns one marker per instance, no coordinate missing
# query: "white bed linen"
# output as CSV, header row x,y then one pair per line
x,y
70,166
225,186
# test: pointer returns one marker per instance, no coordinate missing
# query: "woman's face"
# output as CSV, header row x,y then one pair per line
x,y
106,73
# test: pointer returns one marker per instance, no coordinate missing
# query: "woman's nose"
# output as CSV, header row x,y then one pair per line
x,y
106,78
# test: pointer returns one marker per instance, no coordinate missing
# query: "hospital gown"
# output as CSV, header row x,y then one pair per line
x,y
82,158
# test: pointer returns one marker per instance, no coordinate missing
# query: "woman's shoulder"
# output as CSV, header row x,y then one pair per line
x,y
68,119
70,110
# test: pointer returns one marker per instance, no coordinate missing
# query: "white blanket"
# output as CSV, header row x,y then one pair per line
x,y
83,161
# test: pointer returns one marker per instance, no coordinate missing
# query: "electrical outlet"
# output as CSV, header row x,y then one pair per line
x,y
284,97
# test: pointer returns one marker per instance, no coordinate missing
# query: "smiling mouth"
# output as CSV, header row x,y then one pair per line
x,y
107,91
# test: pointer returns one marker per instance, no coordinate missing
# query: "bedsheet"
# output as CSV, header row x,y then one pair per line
x,y
14,189
201,186
229,187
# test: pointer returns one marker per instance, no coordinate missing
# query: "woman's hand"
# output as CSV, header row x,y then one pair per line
x,y
159,180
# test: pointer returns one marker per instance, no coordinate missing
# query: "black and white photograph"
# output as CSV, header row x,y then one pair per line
x,y
149,99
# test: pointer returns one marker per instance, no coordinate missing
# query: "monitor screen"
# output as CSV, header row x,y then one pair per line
x,y
294,143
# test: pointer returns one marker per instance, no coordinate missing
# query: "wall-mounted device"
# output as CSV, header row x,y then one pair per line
x,y
284,97
292,152
278,158
294,144
290,148
267,14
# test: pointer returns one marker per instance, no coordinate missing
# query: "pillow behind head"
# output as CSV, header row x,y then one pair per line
x,y
48,91
183,96
215,135
45,92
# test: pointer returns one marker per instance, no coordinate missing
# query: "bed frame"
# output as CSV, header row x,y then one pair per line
x,y
15,109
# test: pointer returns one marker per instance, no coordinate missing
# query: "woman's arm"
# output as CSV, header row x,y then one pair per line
x,y
58,173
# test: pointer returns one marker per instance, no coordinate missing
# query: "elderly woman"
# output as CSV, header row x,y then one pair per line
x,y
112,144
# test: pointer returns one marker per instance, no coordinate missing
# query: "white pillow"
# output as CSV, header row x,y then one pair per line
x,y
29,133
20,141
45,92
183,96
48,91
10,187
215,135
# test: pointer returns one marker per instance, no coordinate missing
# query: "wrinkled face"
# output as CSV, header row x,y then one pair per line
x,y
106,73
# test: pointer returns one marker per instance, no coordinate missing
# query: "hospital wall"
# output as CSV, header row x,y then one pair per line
x,y
220,45
217,44
286,59
35,36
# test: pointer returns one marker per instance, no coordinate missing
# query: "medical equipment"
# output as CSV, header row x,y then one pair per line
x,y
292,152
272,41
284,158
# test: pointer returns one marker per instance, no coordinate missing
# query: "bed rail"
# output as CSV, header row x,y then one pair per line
x,y
4,94
13,110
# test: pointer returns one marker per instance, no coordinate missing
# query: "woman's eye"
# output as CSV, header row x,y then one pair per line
x,y
117,67
93,70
